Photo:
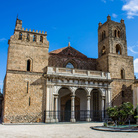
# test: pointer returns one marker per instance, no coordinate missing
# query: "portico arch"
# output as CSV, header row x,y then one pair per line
x,y
65,94
96,104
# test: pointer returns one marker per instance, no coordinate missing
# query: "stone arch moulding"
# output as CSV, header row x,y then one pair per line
x,y
102,92
89,90
72,61
85,89
57,89
31,63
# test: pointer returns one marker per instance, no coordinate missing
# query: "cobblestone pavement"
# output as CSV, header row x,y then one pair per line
x,y
77,130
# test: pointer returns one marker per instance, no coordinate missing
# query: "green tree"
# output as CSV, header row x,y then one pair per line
x,y
122,113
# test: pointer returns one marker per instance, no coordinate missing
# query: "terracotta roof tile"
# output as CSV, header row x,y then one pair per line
x,y
58,50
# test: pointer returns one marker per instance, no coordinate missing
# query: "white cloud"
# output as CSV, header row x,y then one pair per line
x,y
131,7
131,48
103,1
1,83
2,39
106,0
114,15
136,65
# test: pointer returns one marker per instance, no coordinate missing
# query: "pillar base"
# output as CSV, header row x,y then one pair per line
x,y
51,120
88,119
73,120
56,120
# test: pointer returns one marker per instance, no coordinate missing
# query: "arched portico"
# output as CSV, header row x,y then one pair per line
x,y
75,95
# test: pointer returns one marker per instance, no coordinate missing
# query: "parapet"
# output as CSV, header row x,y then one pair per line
x,y
28,36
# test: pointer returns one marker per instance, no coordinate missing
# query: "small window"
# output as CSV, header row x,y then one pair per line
x,y
104,34
103,52
122,74
123,94
20,36
29,101
119,34
34,38
28,65
115,33
27,87
41,39
69,65
118,50
28,37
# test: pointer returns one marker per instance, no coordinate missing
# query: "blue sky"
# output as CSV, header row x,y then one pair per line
x,y
77,19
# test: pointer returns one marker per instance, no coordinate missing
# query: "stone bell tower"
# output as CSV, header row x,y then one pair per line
x,y
27,57
113,58
112,38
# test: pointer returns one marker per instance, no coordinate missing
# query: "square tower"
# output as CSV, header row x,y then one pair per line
x,y
24,86
113,58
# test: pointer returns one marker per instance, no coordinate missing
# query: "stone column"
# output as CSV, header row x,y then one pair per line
x,y
72,109
103,107
88,108
56,108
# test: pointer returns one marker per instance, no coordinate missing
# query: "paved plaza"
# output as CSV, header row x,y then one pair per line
x,y
68,130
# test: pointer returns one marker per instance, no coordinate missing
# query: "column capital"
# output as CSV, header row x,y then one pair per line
x,y
73,90
88,96
89,90
56,95
72,95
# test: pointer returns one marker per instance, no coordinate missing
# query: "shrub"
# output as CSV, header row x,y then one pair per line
x,y
121,113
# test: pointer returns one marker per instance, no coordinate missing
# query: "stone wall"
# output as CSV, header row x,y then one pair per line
x,y
69,54
118,86
23,98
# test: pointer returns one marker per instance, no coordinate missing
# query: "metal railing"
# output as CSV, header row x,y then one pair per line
x,y
80,115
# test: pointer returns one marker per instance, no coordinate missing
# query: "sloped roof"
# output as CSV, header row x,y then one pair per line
x,y
68,51
58,50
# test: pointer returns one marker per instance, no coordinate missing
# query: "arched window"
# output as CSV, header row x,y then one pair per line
x,y
41,39
104,34
20,36
103,51
123,94
119,34
69,65
34,38
28,37
28,65
118,50
115,33
122,74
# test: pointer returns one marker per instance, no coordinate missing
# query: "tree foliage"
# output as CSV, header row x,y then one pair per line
x,y
121,114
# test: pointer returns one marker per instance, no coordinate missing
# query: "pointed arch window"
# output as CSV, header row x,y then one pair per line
x,y
28,65
103,52
122,74
34,38
20,36
28,37
41,39
115,33
119,34
70,65
118,49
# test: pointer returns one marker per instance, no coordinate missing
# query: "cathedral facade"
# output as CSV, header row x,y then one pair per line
x,y
64,84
